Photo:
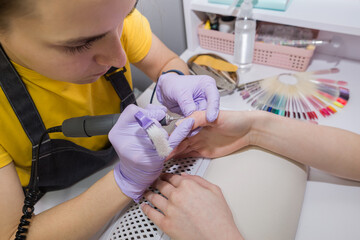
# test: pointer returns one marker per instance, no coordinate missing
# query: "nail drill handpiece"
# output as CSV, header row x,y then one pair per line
x,y
88,126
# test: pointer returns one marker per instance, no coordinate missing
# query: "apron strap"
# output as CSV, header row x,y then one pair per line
x,y
20,100
118,80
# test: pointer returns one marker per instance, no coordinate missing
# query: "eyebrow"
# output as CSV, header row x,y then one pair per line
x,y
84,40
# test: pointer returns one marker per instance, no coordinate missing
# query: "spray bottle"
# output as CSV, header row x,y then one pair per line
x,y
245,29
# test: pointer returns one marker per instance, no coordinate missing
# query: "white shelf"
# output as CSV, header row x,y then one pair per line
x,y
328,15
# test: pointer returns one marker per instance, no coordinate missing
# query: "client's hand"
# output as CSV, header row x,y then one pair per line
x,y
139,163
228,133
193,209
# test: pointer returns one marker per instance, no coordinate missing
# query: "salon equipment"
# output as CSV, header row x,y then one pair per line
x,y
296,43
221,81
280,56
277,5
227,24
88,126
335,43
205,64
157,136
245,28
292,36
298,95
215,63
214,22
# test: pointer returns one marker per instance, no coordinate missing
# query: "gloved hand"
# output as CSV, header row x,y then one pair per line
x,y
185,94
139,164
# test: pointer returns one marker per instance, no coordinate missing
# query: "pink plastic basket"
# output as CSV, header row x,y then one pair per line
x,y
264,53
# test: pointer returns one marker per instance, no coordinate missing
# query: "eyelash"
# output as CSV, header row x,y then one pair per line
x,y
82,48
79,49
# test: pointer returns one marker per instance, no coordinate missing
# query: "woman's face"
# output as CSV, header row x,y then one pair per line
x,y
73,41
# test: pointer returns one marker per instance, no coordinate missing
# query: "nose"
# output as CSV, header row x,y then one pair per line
x,y
112,52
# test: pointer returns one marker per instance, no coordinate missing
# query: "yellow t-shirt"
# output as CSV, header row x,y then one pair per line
x,y
57,101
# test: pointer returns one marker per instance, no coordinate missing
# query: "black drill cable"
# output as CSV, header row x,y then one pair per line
x,y
33,192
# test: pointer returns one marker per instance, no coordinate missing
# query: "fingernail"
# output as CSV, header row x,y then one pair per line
x,y
141,206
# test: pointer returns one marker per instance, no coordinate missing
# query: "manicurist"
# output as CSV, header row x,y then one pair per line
x,y
64,59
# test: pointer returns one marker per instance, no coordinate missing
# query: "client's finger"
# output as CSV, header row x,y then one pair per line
x,y
200,119
157,200
164,187
201,181
154,215
173,179
192,146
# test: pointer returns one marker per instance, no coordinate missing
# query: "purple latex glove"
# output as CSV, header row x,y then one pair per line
x,y
139,164
186,94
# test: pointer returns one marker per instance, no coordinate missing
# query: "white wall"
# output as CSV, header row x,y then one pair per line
x,y
167,22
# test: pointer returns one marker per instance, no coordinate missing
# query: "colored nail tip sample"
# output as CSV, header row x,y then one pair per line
x,y
301,100
344,95
323,80
332,110
322,113
342,101
342,83
344,89
334,70
326,111
315,115
326,95
338,104
304,115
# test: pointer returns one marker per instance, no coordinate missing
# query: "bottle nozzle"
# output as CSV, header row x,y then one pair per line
x,y
246,9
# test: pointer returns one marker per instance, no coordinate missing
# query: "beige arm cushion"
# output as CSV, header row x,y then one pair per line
x,y
264,191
